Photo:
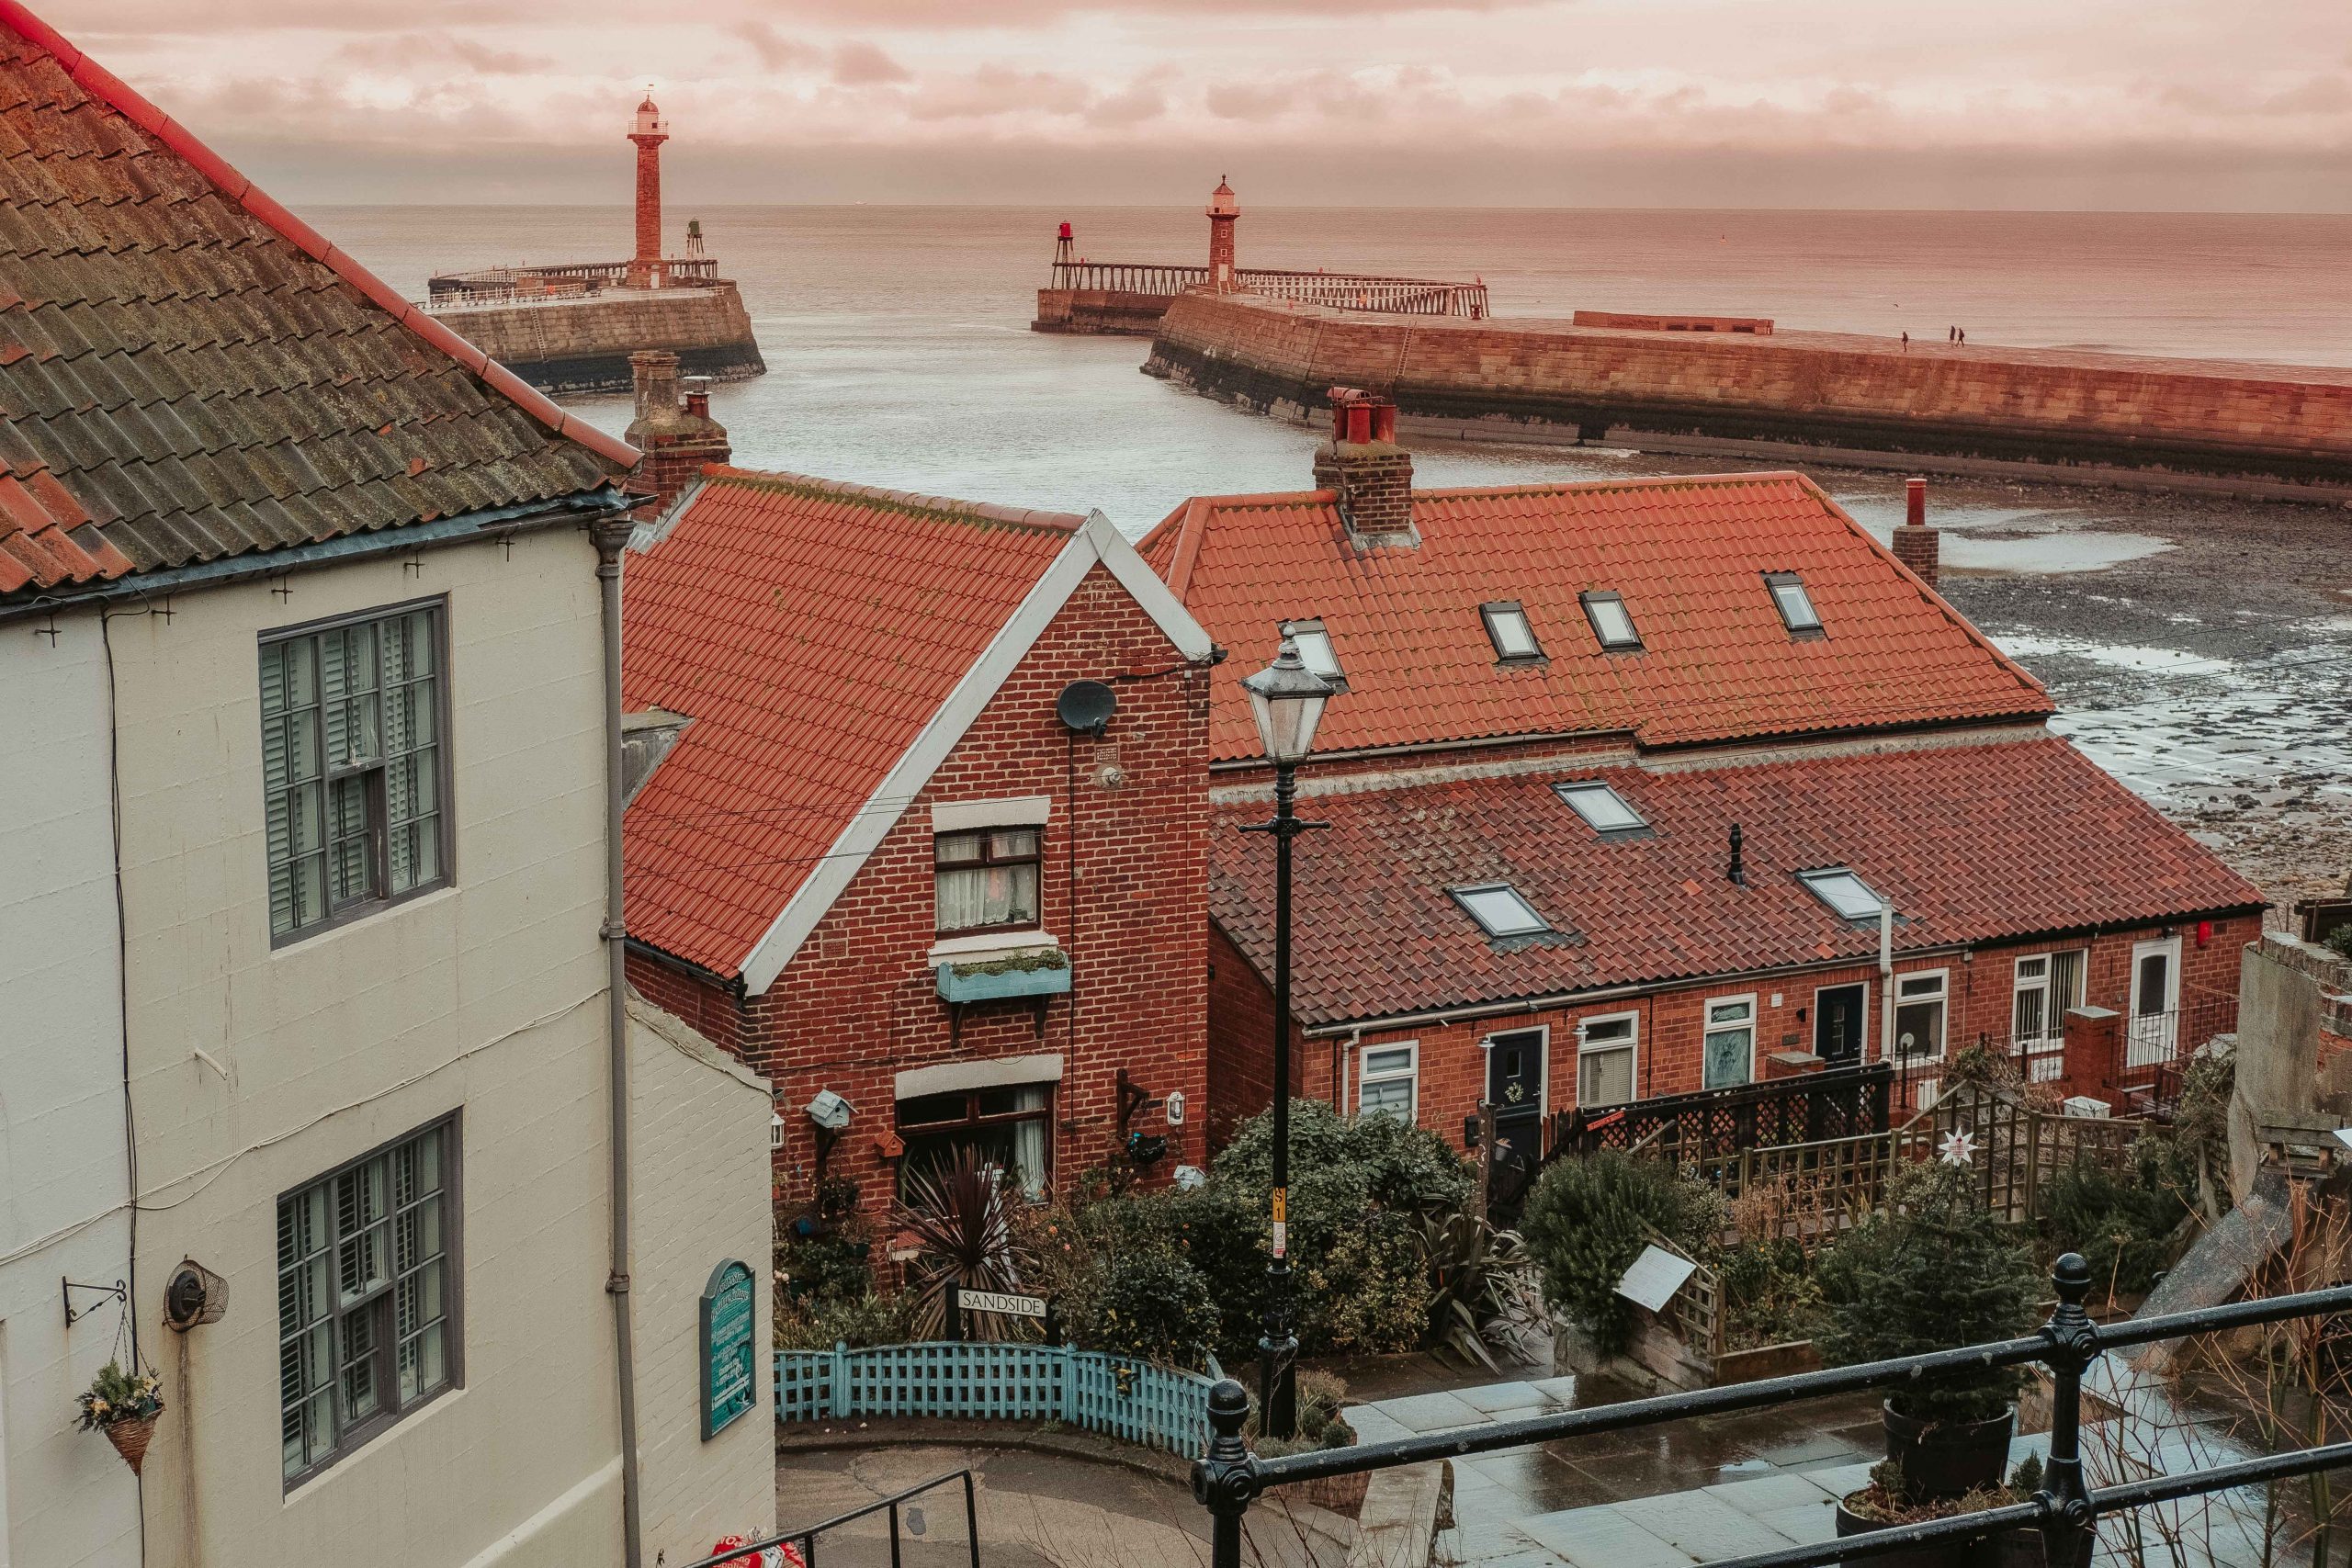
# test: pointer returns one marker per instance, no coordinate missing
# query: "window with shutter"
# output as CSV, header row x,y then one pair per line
x,y
355,768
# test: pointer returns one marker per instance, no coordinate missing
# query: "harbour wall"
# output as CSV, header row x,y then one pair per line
x,y
2277,432
1100,313
583,346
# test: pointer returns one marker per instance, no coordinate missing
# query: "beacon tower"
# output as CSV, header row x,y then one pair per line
x,y
1222,212
649,130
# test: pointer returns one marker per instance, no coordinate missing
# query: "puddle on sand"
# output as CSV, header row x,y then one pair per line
x,y
2011,541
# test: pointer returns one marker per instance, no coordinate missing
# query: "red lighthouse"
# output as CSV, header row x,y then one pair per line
x,y
1223,211
649,130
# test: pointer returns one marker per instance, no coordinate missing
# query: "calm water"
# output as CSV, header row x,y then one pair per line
x,y
900,352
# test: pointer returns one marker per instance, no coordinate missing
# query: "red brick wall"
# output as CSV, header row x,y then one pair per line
x,y
1240,1041
858,1003
1453,1062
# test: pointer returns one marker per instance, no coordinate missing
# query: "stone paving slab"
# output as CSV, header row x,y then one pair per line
x,y
1702,1527
1431,1412
1602,1537
1496,1397
1768,1493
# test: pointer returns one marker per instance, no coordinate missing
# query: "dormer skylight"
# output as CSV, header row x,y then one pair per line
x,y
1794,603
1612,624
1602,806
1315,649
1499,910
1844,892
1508,630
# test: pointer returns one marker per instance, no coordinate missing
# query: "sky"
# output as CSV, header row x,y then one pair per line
x,y
2116,104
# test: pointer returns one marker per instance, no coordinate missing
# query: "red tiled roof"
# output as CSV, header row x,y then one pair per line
x,y
1983,841
811,631
1687,554
188,371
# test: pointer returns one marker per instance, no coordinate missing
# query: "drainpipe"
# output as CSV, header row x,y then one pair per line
x,y
611,536
1886,982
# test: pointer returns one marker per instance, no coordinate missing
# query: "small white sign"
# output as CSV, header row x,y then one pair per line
x,y
997,1300
1655,1275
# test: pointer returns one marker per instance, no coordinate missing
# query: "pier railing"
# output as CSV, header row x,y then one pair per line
x,y
1338,291
566,280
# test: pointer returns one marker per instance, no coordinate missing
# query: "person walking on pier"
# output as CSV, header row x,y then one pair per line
x,y
1906,342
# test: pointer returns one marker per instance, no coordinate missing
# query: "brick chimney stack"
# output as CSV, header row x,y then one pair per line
x,y
1370,475
649,130
1224,212
1917,546
676,435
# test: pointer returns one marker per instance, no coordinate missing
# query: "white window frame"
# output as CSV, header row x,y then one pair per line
x,y
2158,1038
1631,1045
1776,580
1411,1074
1709,1026
1463,895
1943,995
1569,789
1315,651
2053,1007
1813,879
1632,641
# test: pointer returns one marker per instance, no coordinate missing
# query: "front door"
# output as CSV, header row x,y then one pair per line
x,y
1515,1089
1841,1023
2155,1002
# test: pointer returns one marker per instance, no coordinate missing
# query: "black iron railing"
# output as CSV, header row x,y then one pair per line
x,y
1343,290
1228,1478
894,1505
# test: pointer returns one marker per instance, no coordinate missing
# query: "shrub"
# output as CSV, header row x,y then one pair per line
x,y
1148,1304
2123,1225
1588,1218
808,1324
1770,1295
1938,1270
1320,1397
1366,1290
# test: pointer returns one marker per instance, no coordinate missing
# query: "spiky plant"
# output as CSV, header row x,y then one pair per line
x,y
961,1219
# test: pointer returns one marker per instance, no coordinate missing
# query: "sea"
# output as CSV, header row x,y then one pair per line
x,y
2210,677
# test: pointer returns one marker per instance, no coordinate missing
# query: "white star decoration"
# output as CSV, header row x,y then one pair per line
x,y
1960,1148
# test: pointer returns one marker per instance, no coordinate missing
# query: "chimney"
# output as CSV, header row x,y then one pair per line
x,y
1370,475
677,436
1916,546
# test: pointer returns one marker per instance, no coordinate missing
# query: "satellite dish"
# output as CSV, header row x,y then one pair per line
x,y
1086,706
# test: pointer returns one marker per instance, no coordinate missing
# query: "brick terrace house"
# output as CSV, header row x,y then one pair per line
x,y
931,830
1617,779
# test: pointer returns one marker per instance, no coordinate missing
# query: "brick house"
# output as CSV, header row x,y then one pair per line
x,y
1617,779
928,829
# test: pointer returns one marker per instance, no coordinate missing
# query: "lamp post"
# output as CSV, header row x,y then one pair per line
x,y
1286,698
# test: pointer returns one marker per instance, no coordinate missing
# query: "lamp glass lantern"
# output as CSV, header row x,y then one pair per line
x,y
1286,698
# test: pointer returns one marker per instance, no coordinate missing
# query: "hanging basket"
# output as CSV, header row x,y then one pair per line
x,y
131,1439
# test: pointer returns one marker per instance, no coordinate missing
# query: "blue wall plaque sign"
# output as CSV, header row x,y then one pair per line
x,y
729,1386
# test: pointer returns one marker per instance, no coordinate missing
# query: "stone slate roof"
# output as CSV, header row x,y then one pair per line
x,y
1977,841
1689,556
188,372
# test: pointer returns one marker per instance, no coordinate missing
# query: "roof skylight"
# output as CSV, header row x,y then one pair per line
x,y
1315,649
1844,892
1506,627
1602,806
1499,910
1612,622
1794,603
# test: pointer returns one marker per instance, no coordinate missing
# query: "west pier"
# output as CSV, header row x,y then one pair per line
x,y
1738,387
570,327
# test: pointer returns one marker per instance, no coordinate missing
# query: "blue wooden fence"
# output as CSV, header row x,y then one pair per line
x,y
1138,1402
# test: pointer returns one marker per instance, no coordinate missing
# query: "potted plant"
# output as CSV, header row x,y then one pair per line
x,y
1934,1271
125,1408
1890,1500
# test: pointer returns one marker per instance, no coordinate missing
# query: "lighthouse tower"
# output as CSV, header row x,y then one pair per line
x,y
1223,211
649,130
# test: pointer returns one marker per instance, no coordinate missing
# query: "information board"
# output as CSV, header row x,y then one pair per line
x,y
729,1374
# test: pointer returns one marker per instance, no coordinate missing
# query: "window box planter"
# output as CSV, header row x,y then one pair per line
x,y
1039,974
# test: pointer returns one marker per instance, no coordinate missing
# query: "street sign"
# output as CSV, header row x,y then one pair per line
x,y
999,1301
730,1383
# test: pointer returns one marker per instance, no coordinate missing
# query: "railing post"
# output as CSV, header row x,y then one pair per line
x,y
2068,1527
1225,1479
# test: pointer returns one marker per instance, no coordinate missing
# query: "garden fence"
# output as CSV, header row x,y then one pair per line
x,y
1134,1401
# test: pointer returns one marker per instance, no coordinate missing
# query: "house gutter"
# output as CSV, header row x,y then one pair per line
x,y
495,522
611,533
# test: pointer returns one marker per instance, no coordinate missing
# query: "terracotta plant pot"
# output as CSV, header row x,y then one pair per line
x,y
1948,1459
131,1439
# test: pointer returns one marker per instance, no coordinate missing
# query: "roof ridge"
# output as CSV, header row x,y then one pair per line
x,y
105,88
945,507
1548,487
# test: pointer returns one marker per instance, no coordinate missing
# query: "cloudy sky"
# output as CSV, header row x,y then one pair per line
x,y
2239,105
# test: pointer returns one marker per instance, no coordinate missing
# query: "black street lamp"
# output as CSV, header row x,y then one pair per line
x,y
1286,698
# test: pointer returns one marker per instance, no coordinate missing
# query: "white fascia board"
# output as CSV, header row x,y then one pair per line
x,y
1143,584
